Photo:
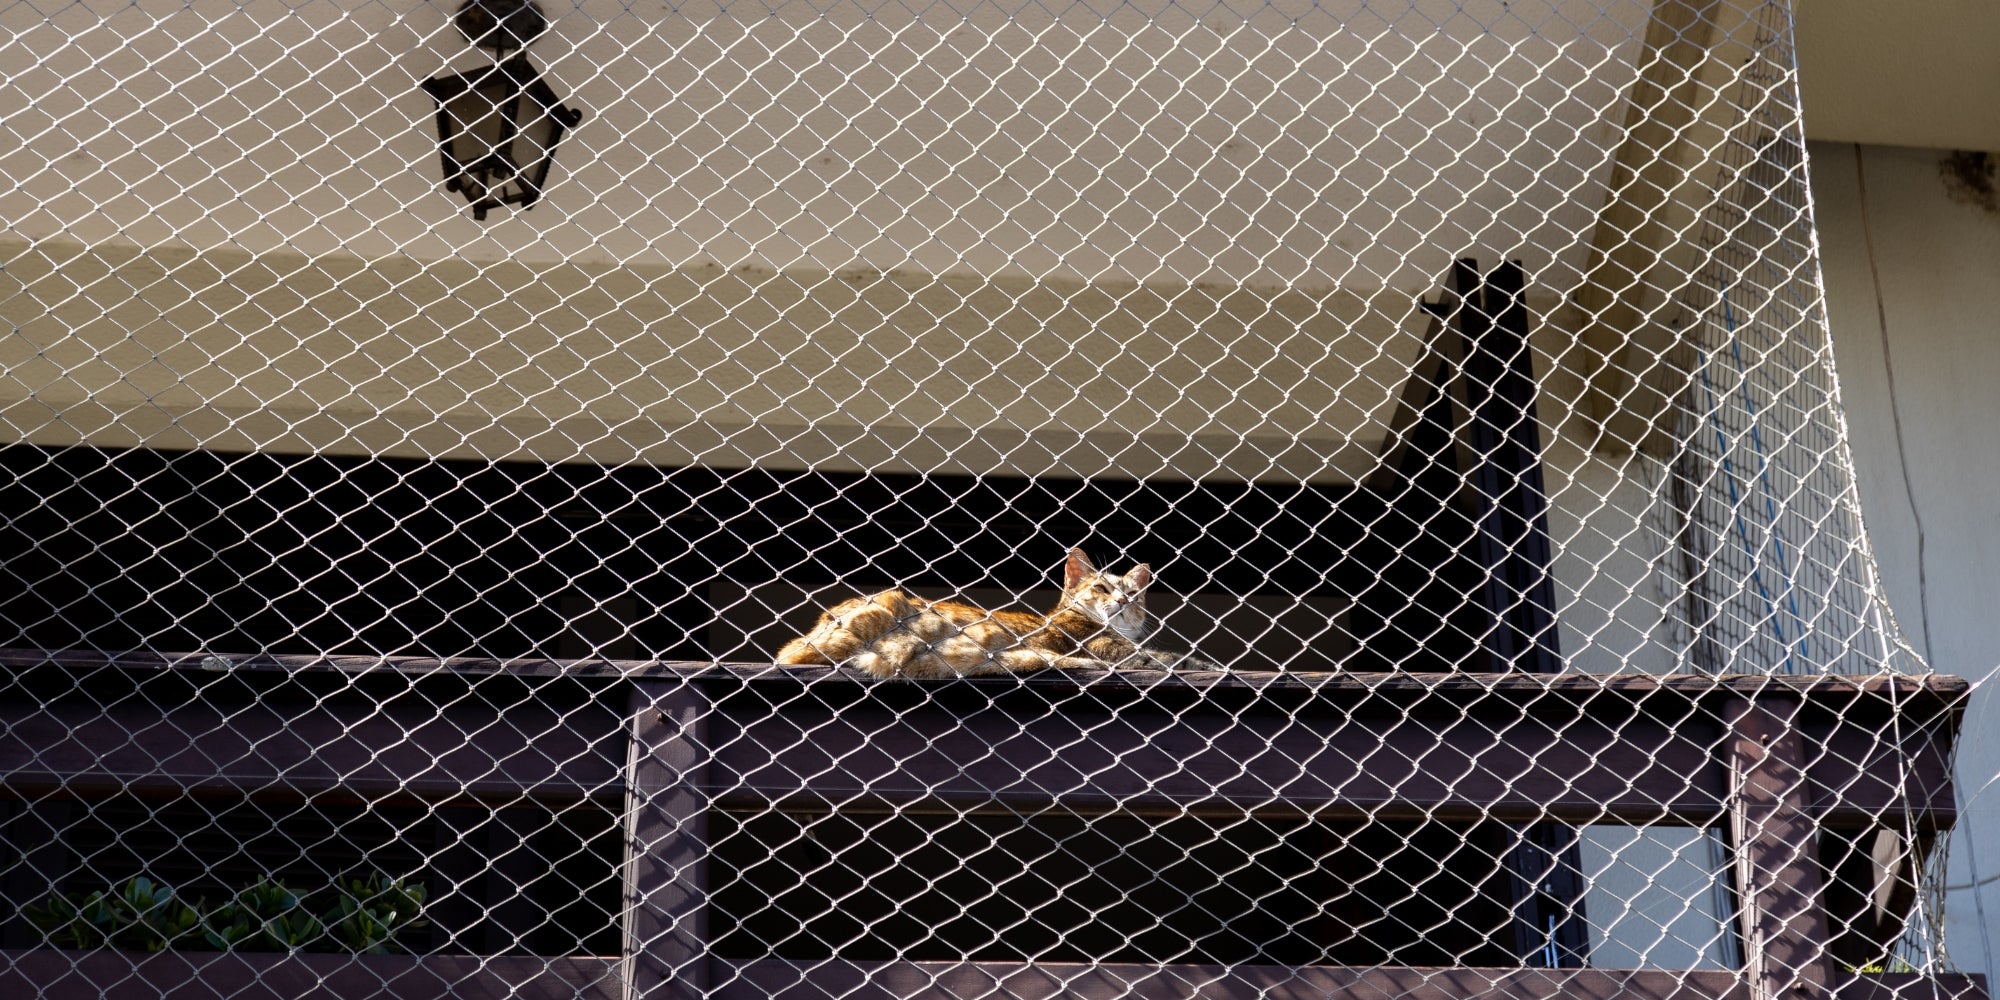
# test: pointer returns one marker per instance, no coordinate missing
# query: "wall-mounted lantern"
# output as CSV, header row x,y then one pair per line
x,y
499,126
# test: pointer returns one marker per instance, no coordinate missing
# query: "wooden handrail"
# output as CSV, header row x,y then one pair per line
x,y
1769,757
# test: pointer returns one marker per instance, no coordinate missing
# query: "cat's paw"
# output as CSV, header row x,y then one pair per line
x,y
1147,659
1160,660
873,664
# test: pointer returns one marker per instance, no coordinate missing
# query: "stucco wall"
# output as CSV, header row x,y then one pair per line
x,y
225,229
1928,361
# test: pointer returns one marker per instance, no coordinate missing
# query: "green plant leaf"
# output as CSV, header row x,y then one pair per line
x,y
71,921
230,928
299,930
364,916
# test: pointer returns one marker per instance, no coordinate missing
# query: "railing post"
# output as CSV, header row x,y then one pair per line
x,y
1778,888
666,843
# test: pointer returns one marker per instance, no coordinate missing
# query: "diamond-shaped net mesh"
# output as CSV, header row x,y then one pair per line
x,y
511,521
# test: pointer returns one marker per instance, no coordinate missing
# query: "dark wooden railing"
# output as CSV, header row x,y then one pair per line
x,y
1770,759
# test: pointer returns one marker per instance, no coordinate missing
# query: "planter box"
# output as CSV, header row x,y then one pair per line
x,y
116,975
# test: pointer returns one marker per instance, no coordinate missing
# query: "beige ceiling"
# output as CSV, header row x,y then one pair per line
x,y
1901,72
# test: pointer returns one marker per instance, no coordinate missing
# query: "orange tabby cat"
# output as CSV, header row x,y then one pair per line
x,y
1099,621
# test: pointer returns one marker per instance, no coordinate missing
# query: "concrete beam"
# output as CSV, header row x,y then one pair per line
x,y
1706,98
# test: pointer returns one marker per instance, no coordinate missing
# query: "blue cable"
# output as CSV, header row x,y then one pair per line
x,y
1735,503
1764,481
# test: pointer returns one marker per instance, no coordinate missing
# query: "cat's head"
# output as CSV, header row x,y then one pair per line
x,y
1107,598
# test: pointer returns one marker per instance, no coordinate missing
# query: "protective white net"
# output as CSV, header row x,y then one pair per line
x,y
427,465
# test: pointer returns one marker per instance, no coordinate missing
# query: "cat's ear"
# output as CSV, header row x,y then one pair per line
x,y
1076,569
1140,576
